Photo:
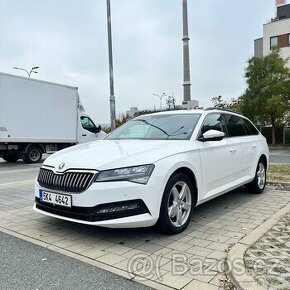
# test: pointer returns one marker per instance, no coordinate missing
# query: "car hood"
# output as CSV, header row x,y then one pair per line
x,y
107,154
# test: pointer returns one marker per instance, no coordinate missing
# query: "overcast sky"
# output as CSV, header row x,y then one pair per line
x,y
68,40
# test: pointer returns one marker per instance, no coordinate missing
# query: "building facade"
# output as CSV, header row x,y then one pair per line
x,y
276,34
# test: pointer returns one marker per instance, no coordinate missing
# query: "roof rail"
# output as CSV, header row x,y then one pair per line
x,y
220,109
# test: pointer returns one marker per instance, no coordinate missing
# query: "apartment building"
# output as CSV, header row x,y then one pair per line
x,y
276,33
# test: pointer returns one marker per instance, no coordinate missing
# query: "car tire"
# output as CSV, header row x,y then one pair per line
x,y
10,157
180,207
259,182
33,154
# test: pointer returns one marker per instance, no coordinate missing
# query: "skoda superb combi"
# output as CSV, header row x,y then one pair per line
x,y
155,169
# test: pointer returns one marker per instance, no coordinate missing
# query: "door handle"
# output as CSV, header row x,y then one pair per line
x,y
254,146
233,149
84,135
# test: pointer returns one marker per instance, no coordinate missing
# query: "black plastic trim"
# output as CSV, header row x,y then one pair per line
x,y
90,213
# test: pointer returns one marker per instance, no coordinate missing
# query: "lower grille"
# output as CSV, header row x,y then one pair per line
x,y
70,181
96,213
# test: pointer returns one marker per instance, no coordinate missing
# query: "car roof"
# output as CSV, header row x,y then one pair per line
x,y
193,111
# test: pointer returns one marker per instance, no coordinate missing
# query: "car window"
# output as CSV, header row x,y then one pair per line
x,y
88,124
158,127
235,126
213,122
250,128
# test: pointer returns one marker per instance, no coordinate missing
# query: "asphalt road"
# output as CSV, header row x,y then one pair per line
x,y
22,267
280,156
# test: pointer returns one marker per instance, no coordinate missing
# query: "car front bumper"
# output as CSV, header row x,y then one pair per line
x,y
120,204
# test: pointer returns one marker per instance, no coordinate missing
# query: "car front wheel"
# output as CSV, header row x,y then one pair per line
x,y
177,204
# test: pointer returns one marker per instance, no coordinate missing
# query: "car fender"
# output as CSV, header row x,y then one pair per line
x,y
175,162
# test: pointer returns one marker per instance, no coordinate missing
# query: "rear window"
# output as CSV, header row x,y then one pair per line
x,y
235,126
250,128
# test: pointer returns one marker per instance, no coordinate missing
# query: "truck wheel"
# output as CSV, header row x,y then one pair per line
x,y
10,157
33,155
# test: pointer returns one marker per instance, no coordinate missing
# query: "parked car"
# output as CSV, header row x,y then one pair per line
x,y
155,169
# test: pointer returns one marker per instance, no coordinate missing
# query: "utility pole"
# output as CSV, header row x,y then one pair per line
x,y
111,71
186,64
160,97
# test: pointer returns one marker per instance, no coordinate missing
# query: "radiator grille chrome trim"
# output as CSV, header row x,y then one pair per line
x,y
71,180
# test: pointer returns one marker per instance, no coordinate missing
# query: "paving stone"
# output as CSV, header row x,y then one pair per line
x,y
118,249
215,225
174,281
217,246
199,251
269,258
181,246
195,284
149,248
111,259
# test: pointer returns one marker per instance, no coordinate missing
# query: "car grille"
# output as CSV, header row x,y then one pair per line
x,y
70,181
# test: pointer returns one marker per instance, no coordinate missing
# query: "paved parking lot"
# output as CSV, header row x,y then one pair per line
x,y
191,260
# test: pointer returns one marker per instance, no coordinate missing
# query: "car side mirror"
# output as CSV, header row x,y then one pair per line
x,y
98,129
212,135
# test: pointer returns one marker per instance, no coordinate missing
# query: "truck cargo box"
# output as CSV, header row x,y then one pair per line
x,y
37,111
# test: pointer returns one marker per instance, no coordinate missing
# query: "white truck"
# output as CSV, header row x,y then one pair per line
x,y
39,117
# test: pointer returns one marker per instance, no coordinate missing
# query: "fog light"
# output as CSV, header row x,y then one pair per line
x,y
118,208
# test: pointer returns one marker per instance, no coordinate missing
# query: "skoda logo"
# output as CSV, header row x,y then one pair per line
x,y
61,166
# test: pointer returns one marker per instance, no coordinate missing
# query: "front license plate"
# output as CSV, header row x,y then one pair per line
x,y
55,198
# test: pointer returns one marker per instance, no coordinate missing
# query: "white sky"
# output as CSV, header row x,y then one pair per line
x,y
68,40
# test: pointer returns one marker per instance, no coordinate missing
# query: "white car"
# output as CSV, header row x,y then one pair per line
x,y
155,169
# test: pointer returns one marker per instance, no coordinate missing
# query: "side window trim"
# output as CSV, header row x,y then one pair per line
x,y
226,127
250,131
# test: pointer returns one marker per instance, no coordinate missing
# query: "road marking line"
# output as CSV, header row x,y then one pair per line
x,y
18,170
30,181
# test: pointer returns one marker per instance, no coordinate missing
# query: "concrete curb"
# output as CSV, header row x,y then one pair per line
x,y
279,148
284,183
245,281
119,272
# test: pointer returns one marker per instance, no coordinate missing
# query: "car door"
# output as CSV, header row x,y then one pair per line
x,y
240,147
252,144
215,157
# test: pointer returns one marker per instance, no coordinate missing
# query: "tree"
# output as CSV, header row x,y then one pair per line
x,y
123,118
170,102
219,103
267,97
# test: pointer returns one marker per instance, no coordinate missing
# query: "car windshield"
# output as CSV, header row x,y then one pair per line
x,y
157,127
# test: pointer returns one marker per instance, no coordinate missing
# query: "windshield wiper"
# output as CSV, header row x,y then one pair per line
x,y
146,122
176,134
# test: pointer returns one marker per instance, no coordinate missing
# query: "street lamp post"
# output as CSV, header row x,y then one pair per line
x,y
32,70
160,97
186,64
111,72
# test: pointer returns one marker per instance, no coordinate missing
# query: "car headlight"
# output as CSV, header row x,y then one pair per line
x,y
138,174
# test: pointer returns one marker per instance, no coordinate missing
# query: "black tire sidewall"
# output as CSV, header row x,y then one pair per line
x,y
10,157
27,158
253,186
164,223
